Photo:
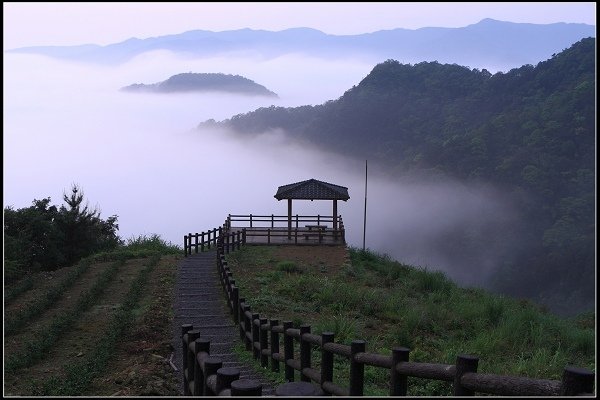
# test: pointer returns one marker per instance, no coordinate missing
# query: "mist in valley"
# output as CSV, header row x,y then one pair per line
x,y
140,156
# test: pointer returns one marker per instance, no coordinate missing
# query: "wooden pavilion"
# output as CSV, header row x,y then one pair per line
x,y
312,189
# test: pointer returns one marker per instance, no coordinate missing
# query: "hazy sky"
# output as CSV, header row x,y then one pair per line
x,y
31,24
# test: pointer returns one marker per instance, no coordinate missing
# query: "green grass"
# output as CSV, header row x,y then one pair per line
x,y
390,304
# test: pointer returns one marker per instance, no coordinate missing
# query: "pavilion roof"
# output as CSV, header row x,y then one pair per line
x,y
312,189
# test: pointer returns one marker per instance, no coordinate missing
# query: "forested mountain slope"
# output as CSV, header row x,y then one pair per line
x,y
530,131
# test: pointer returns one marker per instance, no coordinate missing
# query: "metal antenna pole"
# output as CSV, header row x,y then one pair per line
x,y
365,218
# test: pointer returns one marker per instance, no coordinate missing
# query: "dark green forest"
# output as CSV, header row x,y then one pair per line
x,y
45,237
530,132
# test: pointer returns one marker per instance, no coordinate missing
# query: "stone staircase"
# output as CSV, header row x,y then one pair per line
x,y
199,300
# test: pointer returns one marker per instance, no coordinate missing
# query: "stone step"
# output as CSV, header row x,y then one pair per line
x,y
201,302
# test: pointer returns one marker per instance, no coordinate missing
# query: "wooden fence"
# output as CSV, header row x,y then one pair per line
x,y
205,240
268,230
272,228
273,221
201,241
204,375
264,338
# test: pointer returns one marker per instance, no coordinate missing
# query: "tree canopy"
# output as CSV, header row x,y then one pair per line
x,y
45,237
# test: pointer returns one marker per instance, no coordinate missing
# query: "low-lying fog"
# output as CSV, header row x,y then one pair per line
x,y
139,156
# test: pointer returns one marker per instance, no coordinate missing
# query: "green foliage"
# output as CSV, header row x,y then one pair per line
x,y
46,237
343,327
151,243
289,266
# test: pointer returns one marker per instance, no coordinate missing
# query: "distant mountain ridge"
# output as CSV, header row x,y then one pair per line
x,y
486,44
203,82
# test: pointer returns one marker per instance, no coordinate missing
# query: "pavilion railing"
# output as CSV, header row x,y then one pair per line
x,y
321,227
273,221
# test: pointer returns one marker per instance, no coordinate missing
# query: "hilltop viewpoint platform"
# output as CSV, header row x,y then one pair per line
x,y
275,230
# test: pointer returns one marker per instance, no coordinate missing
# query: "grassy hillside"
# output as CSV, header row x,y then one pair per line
x,y
101,327
369,296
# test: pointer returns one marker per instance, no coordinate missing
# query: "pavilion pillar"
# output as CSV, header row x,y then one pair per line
x,y
334,214
289,219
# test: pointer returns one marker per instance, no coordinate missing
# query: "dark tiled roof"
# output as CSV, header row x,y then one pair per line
x,y
312,189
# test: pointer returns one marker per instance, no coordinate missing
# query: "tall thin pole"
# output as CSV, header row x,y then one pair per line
x,y
365,219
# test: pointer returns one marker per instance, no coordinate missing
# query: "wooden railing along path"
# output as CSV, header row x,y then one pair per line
x,y
269,229
272,341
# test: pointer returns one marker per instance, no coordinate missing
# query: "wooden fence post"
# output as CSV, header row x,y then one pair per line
x,y
576,381
196,243
464,363
185,245
357,369
264,342
288,351
246,387
247,328
274,345
184,330
244,236
255,336
398,382
304,353
225,376
202,241
200,345
211,366
191,358
241,320
235,294
326,359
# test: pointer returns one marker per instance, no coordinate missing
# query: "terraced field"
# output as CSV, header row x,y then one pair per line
x,y
97,328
